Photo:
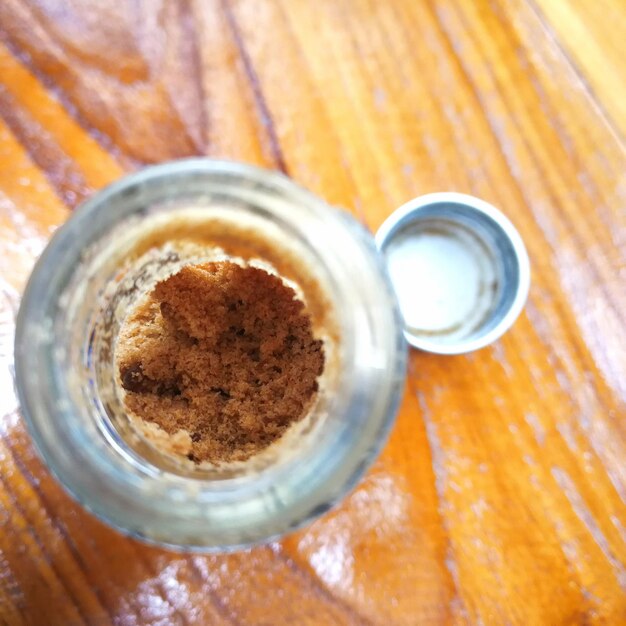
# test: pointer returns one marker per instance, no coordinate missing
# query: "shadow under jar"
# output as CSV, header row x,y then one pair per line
x,y
109,254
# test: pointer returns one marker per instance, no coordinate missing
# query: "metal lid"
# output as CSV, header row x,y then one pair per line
x,y
459,268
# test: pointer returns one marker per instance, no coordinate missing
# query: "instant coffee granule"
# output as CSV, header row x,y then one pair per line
x,y
223,352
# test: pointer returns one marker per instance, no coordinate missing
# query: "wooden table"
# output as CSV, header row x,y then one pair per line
x,y
500,497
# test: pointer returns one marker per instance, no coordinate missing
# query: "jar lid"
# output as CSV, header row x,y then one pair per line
x,y
459,269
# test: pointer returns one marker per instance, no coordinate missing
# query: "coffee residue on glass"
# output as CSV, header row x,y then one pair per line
x,y
222,357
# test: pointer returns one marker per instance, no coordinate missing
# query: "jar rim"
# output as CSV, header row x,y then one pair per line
x,y
48,408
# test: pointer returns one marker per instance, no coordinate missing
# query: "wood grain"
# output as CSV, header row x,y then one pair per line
x,y
591,34
501,495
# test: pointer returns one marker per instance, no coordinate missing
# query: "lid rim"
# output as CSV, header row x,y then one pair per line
x,y
412,209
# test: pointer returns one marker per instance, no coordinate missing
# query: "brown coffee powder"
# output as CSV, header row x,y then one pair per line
x,y
223,352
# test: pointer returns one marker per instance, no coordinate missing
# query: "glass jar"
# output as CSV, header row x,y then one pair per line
x,y
65,373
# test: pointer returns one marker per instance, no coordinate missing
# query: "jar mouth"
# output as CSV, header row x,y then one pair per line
x,y
174,236
61,399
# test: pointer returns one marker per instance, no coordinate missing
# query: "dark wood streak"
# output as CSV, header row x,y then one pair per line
x,y
262,108
18,506
12,598
57,166
218,604
141,553
317,587
127,161
53,517
139,102
189,24
54,520
313,585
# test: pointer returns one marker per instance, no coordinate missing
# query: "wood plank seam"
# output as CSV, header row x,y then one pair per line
x,y
549,188
603,114
261,103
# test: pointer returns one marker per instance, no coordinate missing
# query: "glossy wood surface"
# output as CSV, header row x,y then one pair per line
x,y
501,495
